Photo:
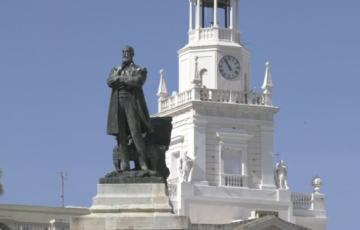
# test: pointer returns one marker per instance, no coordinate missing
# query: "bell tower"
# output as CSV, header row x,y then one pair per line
x,y
214,53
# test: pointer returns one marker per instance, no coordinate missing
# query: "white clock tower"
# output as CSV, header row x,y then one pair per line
x,y
221,155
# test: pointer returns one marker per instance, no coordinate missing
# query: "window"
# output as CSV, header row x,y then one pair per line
x,y
232,163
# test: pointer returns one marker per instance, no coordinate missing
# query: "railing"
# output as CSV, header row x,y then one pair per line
x,y
225,34
32,226
206,33
55,224
213,95
301,200
232,180
214,33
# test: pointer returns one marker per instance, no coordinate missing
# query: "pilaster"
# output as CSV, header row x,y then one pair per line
x,y
267,157
318,204
197,148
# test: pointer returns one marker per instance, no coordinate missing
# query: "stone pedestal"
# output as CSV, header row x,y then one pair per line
x,y
130,206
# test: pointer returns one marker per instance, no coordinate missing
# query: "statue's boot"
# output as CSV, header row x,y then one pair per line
x,y
142,163
125,165
117,159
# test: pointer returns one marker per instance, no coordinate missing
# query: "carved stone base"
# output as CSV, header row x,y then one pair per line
x,y
130,206
132,177
121,198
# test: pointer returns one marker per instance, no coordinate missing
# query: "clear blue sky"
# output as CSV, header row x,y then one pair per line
x,y
55,57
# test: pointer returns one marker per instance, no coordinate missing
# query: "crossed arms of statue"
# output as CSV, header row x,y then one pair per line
x,y
118,81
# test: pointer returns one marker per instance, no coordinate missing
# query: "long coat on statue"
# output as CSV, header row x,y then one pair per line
x,y
136,79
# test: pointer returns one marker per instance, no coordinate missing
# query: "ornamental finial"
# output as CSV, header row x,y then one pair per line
x,y
162,91
317,183
267,79
197,79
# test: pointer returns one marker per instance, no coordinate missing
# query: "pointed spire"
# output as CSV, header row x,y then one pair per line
x,y
267,80
162,91
267,86
197,78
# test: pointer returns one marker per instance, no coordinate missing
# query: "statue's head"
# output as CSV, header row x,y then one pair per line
x,y
128,54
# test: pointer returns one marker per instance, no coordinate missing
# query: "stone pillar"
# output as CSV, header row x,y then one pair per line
x,y
318,204
198,16
231,14
190,15
215,13
237,14
184,190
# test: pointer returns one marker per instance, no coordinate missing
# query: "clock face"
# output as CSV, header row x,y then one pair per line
x,y
229,67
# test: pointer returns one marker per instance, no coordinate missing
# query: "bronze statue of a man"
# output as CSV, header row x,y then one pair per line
x,y
128,118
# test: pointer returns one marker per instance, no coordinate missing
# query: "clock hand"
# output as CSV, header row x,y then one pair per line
x,y
228,65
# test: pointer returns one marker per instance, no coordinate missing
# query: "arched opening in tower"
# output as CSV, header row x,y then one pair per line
x,y
208,11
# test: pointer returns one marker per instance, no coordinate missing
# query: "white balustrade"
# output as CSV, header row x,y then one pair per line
x,y
232,180
33,226
225,34
214,33
213,95
301,200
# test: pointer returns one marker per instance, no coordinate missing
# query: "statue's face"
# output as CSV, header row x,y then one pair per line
x,y
128,54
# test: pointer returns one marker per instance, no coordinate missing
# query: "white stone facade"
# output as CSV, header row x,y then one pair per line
x,y
227,131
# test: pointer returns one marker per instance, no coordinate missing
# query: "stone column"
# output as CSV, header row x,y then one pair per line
x,y
215,13
237,10
197,19
190,15
231,14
